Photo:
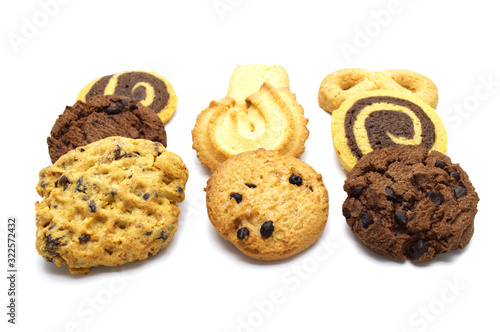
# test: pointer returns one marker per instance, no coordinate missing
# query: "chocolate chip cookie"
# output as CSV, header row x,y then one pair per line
x,y
108,203
269,205
101,117
406,203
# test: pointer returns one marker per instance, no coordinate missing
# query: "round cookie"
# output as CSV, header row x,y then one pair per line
x,y
108,203
101,117
380,118
149,88
345,83
269,205
406,203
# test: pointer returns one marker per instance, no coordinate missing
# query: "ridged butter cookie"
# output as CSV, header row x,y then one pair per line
x,y
380,118
345,83
269,205
101,117
406,203
108,203
149,88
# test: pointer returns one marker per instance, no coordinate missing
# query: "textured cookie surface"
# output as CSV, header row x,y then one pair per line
x,y
380,118
269,205
272,119
406,203
101,117
109,203
149,88
345,83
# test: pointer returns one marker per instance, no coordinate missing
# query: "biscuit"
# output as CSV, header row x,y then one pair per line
x,y
101,117
345,83
248,79
272,119
108,203
406,203
149,88
376,119
269,205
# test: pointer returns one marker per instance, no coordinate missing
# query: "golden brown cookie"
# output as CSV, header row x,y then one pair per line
x,y
269,205
380,118
345,83
108,203
149,88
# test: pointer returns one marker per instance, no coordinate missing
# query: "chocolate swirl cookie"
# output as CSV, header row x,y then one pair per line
x,y
381,118
406,203
149,88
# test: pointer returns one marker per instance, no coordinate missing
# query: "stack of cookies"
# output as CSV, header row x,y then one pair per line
x,y
403,202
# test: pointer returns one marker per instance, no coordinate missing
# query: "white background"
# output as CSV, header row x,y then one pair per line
x,y
200,282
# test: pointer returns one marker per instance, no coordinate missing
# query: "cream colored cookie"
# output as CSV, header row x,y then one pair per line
x,y
345,83
269,205
380,118
108,203
272,119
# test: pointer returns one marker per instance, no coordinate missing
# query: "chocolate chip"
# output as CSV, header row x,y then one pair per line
x,y
356,191
295,179
92,206
440,164
237,197
435,198
417,250
242,233
164,236
249,185
63,181
267,229
79,185
310,188
84,238
365,219
43,184
401,218
51,244
346,213
148,233
132,106
391,195
124,102
460,191
117,152
146,196
179,190
455,175
114,109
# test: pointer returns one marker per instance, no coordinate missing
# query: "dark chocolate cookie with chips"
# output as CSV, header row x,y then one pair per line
x,y
101,117
406,203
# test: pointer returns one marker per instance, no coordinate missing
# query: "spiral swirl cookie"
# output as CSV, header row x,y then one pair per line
x,y
377,119
269,205
149,88
345,83
101,117
406,203
108,203
272,119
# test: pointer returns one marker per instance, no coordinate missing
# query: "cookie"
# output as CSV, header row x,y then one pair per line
x,y
248,79
380,118
269,205
101,117
272,119
149,88
108,203
406,203
346,83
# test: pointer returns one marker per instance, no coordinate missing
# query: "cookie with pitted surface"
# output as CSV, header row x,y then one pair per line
x,y
380,118
101,117
108,203
269,205
406,203
149,88
345,83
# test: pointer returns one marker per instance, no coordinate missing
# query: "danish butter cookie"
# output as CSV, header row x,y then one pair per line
x,y
406,203
272,119
376,119
149,88
101,117
269,205
108,203
345,83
